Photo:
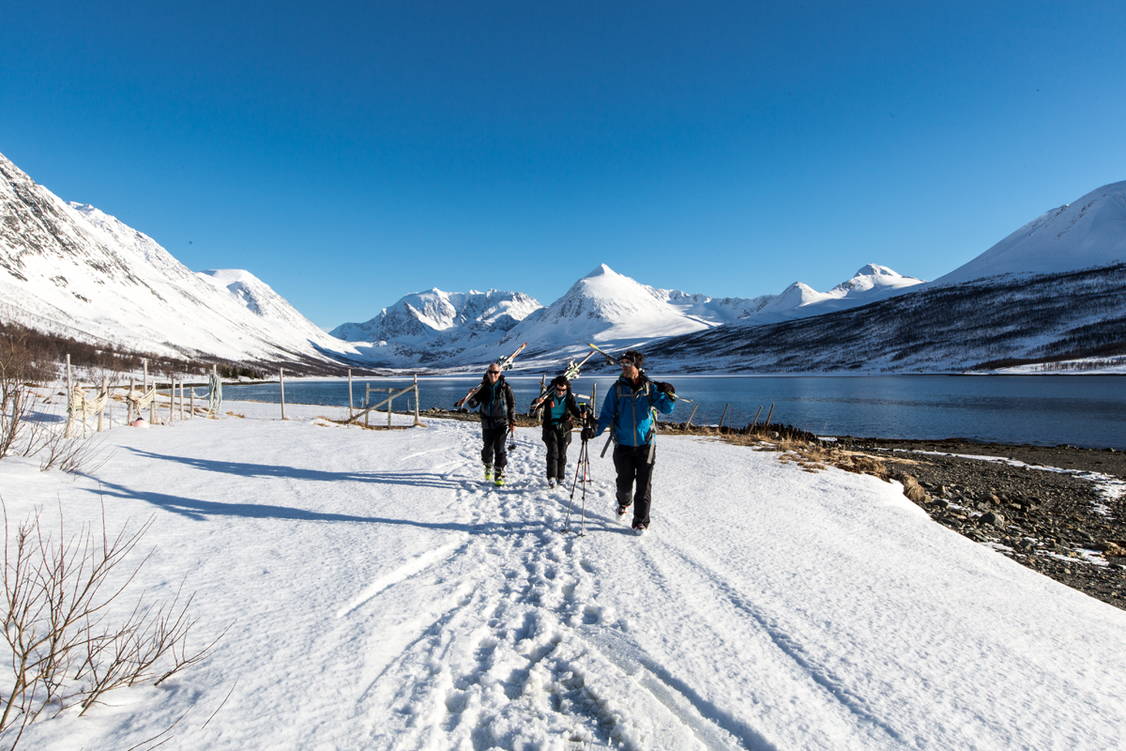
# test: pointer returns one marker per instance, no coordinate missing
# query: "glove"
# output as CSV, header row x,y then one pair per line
x,y
587,433
666,388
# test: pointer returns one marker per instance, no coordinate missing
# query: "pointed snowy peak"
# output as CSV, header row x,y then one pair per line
x,y
1087,233
794,296
607,295
873,276
603,270
606,306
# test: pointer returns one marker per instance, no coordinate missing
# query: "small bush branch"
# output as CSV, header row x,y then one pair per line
x,y
79,455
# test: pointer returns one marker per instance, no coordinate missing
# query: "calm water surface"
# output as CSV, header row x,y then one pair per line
x,y
1080,410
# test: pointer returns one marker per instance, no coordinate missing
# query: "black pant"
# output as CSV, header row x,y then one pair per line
x,y
556,439
493,453
635,474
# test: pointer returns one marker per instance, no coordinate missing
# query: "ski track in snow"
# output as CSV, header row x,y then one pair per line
x,y
528,649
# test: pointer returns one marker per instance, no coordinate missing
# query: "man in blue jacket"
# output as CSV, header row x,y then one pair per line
x,y
630,411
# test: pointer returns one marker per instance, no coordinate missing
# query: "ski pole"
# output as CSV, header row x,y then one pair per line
x,y
608,439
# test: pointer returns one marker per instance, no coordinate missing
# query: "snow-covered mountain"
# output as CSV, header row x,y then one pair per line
x,y
1087,233
452,329
611,308
993,324
436,314
871,283
73,270
1053,290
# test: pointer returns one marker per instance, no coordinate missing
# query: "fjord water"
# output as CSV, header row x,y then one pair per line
x,y
1085,411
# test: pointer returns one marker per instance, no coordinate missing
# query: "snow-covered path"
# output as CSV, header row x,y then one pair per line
x,y
382,596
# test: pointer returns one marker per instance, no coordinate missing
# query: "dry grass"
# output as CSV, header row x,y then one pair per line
x,y
813,455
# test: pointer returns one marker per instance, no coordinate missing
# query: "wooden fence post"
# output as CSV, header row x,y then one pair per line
x,y
754,422
102,412
723,416
152,404
350,408
691,415
417,399
69,394
129,402
281,383
768,414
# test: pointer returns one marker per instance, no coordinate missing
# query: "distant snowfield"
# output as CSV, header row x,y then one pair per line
x,y
382,597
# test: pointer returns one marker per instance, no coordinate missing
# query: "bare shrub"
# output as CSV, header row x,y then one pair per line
x,y
16,401
34,436
66,650
78,455
16,398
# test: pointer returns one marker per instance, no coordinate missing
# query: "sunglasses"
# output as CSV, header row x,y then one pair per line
x,y
493,372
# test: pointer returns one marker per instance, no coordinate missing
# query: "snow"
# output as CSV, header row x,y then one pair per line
x,y
617,311
379,595
869,284
1089,232
72,269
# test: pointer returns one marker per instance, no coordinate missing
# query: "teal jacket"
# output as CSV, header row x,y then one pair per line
x,y
631,411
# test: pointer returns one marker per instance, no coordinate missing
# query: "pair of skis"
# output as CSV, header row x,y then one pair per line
x,y
505,363
571,372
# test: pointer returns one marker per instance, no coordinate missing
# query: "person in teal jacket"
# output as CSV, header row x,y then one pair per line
x,y
560,411
629,409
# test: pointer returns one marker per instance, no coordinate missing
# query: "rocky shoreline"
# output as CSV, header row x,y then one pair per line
x,y
1060,510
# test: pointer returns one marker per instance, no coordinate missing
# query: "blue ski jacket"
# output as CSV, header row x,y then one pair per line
x,y
630,411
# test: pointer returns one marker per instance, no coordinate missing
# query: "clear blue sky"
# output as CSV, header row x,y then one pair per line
x,y
350,153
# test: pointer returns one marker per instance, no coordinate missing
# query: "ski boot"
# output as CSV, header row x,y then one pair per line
x,y
498,478
488,472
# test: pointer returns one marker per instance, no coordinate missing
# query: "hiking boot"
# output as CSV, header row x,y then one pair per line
x,y
551,482
622,509
488,471
640,527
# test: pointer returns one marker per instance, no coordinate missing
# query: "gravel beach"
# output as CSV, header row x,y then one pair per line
x,y
1060,510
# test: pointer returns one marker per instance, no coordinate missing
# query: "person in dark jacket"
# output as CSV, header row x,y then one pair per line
x,y
560,410
630,411
498,418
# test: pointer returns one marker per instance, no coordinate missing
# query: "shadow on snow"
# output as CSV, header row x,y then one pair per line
x,y
199,510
